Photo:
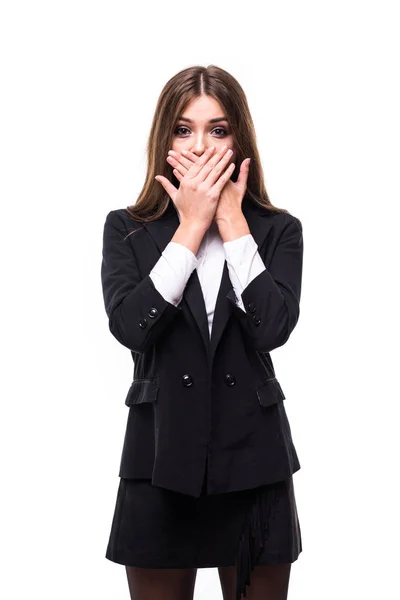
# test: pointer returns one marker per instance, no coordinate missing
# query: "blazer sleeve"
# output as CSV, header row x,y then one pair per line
x,y
137,312
272,299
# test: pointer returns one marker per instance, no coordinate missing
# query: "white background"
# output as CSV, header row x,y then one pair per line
x,y
80,81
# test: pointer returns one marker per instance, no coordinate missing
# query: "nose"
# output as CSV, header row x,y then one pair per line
x,y
198,149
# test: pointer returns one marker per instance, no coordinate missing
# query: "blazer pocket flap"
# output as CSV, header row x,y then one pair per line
x,y
270,393
142,390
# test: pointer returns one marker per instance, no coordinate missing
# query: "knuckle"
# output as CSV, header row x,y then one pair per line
x,y
212,194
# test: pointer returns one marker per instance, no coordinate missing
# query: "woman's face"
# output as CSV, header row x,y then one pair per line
x,y
195,130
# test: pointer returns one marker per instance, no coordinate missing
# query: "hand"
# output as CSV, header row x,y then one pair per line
x,y
232,194
200,187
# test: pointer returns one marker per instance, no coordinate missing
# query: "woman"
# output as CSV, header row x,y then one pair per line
x,y
201,280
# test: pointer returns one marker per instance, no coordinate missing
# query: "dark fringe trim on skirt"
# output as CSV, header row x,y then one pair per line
x,y
252,538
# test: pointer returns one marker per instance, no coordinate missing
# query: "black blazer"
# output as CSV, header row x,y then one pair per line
x,y
193,397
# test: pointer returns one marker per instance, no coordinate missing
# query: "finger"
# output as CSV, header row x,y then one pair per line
x,y
243,173
178,156
224,178
189,154
210,166
177,165
178,175
195,170
167,185
217,165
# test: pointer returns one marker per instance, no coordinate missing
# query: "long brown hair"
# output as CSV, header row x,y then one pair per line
x,y
181,89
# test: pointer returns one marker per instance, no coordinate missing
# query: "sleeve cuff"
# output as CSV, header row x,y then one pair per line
x,y
172,271
244,264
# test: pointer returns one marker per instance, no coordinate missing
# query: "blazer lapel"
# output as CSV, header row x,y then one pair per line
x,y
259,226
162,231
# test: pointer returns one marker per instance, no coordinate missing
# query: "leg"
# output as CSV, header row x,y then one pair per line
x,y
270,582
267,582
227,577
161,584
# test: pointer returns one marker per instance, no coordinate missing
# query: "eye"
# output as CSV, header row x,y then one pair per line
x,y
179,129
224,132
176,132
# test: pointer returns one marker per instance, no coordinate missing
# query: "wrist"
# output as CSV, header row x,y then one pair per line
x,y
190,235
233,228
195,227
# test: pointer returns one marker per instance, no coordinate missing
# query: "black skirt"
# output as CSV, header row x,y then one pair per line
x,y
157,528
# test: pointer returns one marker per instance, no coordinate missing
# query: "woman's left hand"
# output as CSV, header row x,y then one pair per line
x,y
229,206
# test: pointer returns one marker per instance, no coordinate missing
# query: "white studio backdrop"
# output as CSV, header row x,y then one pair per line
x,y
80,81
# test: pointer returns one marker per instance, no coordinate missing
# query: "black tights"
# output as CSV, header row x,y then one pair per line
x,y
268,582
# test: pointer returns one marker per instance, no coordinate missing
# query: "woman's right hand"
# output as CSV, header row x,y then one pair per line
x,y
199,190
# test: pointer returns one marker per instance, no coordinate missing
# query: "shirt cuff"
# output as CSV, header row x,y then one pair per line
x,y
244,264
172,271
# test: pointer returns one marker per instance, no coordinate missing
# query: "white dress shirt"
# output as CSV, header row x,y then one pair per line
x,y
174,267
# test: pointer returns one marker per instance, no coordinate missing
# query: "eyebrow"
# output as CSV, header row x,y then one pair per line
x,y
216,120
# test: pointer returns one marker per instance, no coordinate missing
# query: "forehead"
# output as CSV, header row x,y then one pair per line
x,y
203,109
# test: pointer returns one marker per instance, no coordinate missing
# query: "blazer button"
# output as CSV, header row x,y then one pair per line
x,y
153,312
230,379
251,307
187,380
143,323
257,319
